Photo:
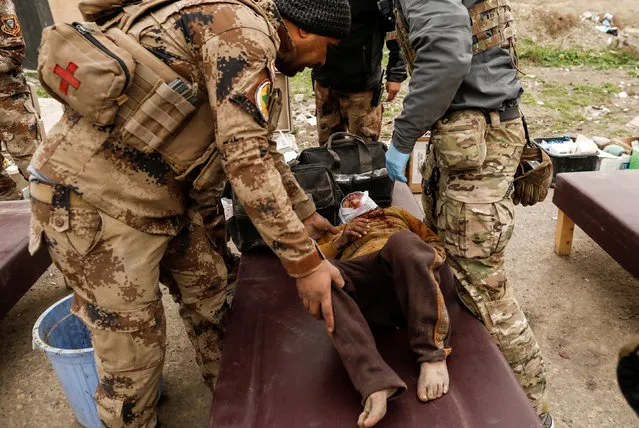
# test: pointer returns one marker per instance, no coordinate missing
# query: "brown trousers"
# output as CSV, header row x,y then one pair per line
x,y
341,111
396,286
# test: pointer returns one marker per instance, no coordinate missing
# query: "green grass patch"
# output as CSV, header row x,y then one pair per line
x,y
569,101
42,93
633,74
531,53
301,83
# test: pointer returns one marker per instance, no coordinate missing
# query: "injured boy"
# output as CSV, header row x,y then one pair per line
x,y
390,264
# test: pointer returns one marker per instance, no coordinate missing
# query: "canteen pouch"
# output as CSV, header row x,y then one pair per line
x,y
80,66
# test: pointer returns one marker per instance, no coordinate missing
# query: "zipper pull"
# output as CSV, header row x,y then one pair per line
x,y
82,29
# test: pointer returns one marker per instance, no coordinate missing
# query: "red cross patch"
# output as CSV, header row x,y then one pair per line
x,y
67,76
10,25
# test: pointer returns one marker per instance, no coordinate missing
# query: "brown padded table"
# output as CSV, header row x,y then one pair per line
x,y
279,368
18,270
605,205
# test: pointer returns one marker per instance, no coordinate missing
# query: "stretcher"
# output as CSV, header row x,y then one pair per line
x,y
18,270
279,368
604,205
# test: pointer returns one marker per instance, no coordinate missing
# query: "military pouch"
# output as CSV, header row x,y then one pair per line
x,y
80,66
275,109
158,117
533,176
459,140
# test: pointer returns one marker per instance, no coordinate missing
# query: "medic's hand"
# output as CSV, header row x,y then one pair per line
x,y
396,163
315,292
392,88
316,225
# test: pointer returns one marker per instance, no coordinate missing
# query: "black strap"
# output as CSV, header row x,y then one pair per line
x,y
365,157
523,120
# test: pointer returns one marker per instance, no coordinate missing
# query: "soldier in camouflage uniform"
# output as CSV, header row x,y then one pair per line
x,y
467,93
348,87
116,218
18,117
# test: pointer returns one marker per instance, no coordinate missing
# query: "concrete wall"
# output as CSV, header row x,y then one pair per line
x,y
34,15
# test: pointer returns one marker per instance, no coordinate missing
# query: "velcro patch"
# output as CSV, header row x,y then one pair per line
x,y
256,100
262,97
10,25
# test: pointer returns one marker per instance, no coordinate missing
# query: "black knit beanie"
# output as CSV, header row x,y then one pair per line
x,y
330,18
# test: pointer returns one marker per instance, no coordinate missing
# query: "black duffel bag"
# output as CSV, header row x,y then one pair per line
x,y
356,165
316,180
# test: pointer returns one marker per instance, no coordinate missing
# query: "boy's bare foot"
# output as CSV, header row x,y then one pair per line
x,y
375,407
433,380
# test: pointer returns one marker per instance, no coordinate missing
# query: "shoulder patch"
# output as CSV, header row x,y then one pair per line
x,y
262,97
10,25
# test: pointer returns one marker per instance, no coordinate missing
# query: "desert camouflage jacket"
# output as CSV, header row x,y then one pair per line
x,y
18,119
228,49
11,51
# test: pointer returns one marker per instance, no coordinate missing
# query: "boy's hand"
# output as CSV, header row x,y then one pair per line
x,y
357,228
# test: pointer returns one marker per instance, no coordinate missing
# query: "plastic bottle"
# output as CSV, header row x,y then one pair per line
x,y
634,162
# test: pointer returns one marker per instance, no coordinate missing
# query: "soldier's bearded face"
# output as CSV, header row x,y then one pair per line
x,y
311,50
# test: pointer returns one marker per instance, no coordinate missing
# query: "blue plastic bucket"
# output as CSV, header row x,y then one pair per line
x,y
67,343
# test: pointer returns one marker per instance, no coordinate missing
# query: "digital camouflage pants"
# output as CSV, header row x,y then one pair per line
x,y
115,272
475,235
341,111
19,131
8,188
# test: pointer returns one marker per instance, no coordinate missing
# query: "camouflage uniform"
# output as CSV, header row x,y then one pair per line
x,y
476,146
474,216
349,85
343,111
18,117
114,239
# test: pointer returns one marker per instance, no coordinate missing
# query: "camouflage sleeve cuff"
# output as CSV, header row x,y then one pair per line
x,y
304,209
306,265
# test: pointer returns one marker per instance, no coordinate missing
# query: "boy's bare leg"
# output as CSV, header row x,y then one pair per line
x,y
375,407
433,380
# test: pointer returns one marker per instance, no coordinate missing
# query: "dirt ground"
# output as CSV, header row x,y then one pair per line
x,y
582,308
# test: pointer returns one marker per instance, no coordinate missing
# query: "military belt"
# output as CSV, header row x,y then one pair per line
x,y
509,114
45,193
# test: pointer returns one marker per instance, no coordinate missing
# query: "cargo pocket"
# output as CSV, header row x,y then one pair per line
x,y
35,235
468,229
505,216
459,140
451,226
85,231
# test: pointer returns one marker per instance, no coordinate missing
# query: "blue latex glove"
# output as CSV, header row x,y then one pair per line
x,y
396,163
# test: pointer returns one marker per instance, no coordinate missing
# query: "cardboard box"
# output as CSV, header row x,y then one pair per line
x,y
284,124
416,160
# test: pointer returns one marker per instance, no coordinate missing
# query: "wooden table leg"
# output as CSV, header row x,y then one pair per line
x,y
563,234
